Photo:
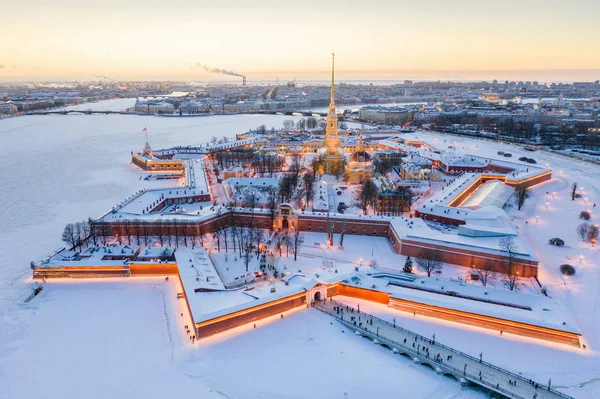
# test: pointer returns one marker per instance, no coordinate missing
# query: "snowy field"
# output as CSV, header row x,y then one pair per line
x,y
124,338
99,339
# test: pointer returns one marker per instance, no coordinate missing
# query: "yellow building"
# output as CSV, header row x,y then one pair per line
x,y
147,161
360,168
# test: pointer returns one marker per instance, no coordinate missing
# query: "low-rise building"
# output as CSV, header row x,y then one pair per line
x,y
8,108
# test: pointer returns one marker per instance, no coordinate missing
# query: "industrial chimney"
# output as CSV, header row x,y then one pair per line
x,y
243,81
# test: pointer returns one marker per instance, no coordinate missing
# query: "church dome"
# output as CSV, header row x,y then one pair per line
x,y
360,156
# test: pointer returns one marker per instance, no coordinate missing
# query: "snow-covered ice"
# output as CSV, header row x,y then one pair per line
x,y
111,338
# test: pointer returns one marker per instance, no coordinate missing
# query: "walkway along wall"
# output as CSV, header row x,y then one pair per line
x,y
438,312
491,323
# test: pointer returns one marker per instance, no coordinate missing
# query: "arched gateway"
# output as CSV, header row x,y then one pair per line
x,y
317,293
286,217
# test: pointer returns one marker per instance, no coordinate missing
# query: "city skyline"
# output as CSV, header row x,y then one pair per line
x,y
534,40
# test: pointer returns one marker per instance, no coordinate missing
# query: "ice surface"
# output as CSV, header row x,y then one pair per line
x,y
98,340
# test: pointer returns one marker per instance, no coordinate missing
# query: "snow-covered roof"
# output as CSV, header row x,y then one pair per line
x,y
488,221
321,197
491,193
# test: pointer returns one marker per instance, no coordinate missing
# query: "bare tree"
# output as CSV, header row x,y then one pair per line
x,y
288,124
582,231
330,228
137,230
486,272
224,230
85,231
272,204
287,241
342,232
184,229
247,247
298,239
160,232
119,234
258,235
279,242
234,230
92,229
508,245
217,236
366,196
70,236
127,232
104,233
145,232
374,263
176,229
429,260
309,186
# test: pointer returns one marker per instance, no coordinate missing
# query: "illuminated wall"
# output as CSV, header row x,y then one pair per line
x,y
487,322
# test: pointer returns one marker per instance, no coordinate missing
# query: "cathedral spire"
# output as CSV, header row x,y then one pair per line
x,y
332,101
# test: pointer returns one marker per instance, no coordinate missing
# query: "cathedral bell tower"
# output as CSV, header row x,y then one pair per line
x,y
331,139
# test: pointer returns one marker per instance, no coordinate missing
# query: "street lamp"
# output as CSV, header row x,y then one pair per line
x,y
465,369
480,356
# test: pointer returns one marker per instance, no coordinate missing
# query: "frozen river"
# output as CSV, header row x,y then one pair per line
x,y
60,169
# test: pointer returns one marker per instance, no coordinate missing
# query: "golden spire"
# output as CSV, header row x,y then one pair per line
x,y
332,78
331,139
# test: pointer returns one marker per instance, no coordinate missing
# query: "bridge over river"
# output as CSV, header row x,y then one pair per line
x,y
441,358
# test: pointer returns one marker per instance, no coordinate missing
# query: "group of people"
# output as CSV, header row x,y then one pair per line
x,y
191,336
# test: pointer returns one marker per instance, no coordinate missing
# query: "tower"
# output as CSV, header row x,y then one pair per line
x,y
333,160
331,138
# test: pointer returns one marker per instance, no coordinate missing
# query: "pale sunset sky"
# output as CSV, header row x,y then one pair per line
x,y
429,39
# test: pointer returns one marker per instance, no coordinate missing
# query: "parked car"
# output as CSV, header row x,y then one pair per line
x,y
531,160
507,154
500,152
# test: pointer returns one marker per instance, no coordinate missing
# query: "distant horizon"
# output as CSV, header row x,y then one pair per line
x,y
342,76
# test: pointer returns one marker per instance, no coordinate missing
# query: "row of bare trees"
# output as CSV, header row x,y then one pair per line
x,y
291,240
76,234
430,261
